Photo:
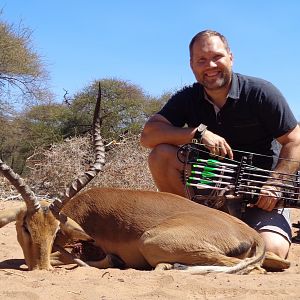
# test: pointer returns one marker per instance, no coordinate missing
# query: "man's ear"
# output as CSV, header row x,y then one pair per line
x,y
231,57
191,64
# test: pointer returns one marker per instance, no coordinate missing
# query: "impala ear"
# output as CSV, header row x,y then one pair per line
x,y
73,230
9,215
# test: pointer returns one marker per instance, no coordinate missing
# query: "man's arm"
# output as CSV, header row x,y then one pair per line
x,y
158,130
290,152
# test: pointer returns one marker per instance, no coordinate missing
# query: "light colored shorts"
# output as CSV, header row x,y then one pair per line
x,y
278,220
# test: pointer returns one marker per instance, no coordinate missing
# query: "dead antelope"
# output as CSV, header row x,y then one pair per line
x,y
135,229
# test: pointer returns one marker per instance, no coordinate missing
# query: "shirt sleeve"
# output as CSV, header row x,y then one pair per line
x,y
275,112
175,110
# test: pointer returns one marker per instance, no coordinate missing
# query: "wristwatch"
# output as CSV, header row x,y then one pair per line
x,y
199,134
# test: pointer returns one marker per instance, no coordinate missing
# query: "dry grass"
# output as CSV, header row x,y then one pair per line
x,y
52,170
126,166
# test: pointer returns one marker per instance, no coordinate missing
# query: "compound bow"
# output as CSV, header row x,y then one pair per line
x,y
241,177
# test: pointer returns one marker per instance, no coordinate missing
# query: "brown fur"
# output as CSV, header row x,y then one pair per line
x,y
35,233
143,229
146,228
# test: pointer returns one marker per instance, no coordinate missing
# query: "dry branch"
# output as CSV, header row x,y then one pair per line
x,y
50,171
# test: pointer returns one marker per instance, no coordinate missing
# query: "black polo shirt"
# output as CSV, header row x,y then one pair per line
x,y
254,115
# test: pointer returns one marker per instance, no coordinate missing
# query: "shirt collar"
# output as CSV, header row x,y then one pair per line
x,y
216,108
234,91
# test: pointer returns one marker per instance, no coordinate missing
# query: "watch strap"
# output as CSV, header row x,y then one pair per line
x,y
199,133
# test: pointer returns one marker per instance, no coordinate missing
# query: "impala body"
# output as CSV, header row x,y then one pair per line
x,y
147,229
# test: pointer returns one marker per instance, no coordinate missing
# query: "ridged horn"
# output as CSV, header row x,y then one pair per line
x,y
27,194
93,170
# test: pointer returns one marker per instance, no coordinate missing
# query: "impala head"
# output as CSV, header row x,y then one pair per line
x,y
40,223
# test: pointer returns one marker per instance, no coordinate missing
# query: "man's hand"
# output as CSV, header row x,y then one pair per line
x,y
216,144
267,199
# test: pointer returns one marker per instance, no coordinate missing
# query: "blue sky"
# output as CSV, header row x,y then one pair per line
x,y
146,42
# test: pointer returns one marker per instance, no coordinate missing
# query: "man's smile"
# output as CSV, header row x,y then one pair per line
x,y
211,74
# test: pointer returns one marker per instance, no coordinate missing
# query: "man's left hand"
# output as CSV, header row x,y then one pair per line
x,y
267,199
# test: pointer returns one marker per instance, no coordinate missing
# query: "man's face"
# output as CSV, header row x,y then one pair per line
x,y
211,63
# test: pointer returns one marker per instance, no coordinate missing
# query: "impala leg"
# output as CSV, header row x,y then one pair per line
x,y
110,261
163,267
169,243
58,258
62,256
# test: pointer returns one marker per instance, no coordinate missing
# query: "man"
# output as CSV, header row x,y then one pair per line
x,y
227,111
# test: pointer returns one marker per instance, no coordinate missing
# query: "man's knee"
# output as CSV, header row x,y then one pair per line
x,y
276,243
166,169
162,153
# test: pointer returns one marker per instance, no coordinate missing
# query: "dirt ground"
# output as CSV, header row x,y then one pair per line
x,y
91,283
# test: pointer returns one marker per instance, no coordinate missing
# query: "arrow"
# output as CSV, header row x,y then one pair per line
x,y
207,168
214,162
198,185
258,194
207,181
211,174
267,190
273,184
268,177
252,168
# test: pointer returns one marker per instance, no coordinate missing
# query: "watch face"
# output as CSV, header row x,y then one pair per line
x,y
201,128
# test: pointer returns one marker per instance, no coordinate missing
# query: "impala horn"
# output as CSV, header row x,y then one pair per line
x,y
93,170
27,194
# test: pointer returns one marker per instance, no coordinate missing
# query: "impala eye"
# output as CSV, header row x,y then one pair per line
x,y
24,225
25,228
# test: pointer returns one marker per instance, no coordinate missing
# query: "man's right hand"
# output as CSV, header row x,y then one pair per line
x,y
216,144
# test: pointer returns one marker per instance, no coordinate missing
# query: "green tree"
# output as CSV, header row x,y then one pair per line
x,y
22,72
38,126
44,123
122,108
23,79
153,105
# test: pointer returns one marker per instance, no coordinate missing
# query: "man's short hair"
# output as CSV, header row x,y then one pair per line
x,y
208,33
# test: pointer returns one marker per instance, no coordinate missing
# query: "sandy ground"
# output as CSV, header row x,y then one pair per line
x,y
91,283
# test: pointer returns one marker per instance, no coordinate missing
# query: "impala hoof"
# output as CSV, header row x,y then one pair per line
x,y
274,263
